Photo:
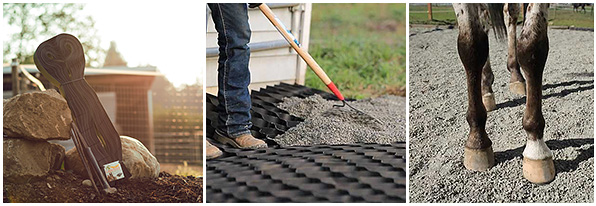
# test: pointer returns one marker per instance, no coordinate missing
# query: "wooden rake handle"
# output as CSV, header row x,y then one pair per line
x,y
305,55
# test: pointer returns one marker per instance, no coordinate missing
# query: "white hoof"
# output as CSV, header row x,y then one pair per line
x,y
538,162
518,88
489,102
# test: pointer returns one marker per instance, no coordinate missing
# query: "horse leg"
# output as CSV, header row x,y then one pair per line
x,y
532,52
487,79
516,82
488,97
472,46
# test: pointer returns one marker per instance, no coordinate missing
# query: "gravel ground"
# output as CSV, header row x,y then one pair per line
x,y
438,128
325,124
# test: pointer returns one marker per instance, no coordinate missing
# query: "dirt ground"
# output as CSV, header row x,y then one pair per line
x,y
438,128
60,186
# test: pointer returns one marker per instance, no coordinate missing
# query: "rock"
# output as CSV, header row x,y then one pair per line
x,y
72,161
54,178
110,190
37,116
135,156
87,183
26,160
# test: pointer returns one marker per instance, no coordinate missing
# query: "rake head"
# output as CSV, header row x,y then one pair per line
x,y
344,103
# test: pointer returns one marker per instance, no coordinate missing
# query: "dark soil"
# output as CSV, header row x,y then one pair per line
x,y
61,186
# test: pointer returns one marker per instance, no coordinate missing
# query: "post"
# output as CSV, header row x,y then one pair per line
x,y
555,12
304,40
151,136
430,11
15,77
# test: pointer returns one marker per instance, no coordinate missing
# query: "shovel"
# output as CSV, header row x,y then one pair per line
x,y
308,59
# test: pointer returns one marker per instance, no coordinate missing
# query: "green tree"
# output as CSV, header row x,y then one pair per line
x,y
32,23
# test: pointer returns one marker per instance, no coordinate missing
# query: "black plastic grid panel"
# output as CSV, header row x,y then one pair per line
x,y
321,173
268,120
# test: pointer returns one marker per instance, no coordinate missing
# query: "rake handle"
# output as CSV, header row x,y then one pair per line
x,y
305,55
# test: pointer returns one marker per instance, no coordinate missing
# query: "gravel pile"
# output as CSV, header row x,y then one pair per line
x,y
438,127
328,125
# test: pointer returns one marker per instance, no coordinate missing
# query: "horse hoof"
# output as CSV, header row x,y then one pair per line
x,y
518,88
479,159
539,171
489,102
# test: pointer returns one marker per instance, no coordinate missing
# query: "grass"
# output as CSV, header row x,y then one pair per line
x,y
444,15
361,47
570,18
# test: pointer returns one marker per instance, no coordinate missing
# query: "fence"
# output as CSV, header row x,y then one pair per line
x,y
132,116
178,126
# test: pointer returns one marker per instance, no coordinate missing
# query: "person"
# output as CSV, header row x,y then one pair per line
x,y
233,36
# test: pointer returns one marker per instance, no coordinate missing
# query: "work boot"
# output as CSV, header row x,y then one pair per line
x,y
245,141
212,151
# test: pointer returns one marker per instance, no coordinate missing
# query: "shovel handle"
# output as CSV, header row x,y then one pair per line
x,y
305,55
78,144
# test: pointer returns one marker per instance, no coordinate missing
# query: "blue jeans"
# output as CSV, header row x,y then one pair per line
x,y
233,78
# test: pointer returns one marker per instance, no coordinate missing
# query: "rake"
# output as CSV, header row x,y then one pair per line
x,y
308,59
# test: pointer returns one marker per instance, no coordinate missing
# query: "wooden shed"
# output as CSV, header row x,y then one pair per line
x,y
272,59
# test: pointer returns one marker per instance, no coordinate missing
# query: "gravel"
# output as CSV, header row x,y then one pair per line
x,y
438,128
328,125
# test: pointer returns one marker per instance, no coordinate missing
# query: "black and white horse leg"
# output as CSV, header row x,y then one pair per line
x,y
472,46
532,50
516,82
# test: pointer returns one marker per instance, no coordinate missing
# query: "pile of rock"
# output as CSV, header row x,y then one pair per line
x,y
31,119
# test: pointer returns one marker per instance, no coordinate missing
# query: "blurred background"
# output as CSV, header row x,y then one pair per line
x,y
139,62
560,14
362,47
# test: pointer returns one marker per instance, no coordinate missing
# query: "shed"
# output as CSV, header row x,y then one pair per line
x,y
272,59
123,91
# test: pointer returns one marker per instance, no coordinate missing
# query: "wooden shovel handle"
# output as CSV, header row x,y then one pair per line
x,y
305,55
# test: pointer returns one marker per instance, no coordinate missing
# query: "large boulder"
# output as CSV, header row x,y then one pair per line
x,y
37,116
26,160
135,156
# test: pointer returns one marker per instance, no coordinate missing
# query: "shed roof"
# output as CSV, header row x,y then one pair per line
x,y
122,70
